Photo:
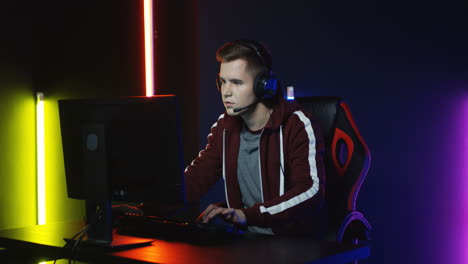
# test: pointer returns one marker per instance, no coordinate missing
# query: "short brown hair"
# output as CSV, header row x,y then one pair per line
x,y
240,49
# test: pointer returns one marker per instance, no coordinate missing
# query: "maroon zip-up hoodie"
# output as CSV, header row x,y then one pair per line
x,y
291,170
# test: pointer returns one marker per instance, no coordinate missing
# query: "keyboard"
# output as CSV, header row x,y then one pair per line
x,y
175,230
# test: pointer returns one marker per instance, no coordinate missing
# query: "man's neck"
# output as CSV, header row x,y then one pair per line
x,y
257,117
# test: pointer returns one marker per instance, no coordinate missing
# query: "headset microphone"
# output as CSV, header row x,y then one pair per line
x,y
245,107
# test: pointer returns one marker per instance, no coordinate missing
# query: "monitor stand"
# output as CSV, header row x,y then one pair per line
x,y
99,232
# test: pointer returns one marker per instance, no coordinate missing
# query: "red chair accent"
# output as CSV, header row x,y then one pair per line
x,y
347,161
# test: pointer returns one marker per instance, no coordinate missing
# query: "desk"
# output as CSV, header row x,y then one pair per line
x,y
46,242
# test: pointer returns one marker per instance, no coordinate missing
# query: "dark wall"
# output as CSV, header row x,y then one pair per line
x,y
176,61
89,50
97,50
402,68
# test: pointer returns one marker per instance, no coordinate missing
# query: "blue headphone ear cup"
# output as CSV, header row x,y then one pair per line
x,y
270,87
265,86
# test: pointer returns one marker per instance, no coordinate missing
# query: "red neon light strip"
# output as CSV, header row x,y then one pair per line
x,y
149,58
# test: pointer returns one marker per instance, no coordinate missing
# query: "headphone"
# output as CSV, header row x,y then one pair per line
x,y
265,84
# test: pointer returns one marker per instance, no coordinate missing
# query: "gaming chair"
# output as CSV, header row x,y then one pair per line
x,y
347,160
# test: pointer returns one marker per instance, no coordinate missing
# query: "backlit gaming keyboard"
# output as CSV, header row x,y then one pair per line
x,y
171,229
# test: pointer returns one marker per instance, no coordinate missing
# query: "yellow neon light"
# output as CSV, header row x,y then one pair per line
x,y
149,59
41,214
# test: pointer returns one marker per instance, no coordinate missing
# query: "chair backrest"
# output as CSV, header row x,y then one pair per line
x,y
347,157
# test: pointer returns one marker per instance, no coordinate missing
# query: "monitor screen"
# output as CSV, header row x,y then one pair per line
x,y
124,149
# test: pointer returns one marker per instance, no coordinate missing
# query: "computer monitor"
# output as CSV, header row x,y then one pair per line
x,y
124,149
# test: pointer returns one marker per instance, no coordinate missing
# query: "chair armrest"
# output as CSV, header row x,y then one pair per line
x,y
354,228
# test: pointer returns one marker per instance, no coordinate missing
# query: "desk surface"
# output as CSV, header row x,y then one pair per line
x,y
47,241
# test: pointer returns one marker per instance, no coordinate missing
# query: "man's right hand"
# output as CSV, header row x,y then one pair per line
x,y
230,215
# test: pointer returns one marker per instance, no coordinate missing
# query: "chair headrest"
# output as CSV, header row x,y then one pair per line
x,y
323,109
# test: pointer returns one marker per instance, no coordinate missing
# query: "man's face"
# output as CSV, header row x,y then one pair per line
x,y
237,86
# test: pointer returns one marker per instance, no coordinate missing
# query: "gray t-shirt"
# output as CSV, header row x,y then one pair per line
x,y
248,171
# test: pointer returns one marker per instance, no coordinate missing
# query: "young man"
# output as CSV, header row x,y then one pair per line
x,y
267,150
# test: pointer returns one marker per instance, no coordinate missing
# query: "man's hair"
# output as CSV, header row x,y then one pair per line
x,y
234,50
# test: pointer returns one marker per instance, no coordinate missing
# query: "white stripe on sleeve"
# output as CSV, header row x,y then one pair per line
x,y
313,173
208,138
281,192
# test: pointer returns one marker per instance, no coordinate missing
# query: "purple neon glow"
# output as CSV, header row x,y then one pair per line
x,y
452,222
459,207
464,176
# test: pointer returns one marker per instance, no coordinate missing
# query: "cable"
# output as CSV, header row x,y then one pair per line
x,y
77,242
84,229
81,234
94,219
80,238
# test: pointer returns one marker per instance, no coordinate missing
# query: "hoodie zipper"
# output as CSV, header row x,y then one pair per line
x,y
260,166
224,168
